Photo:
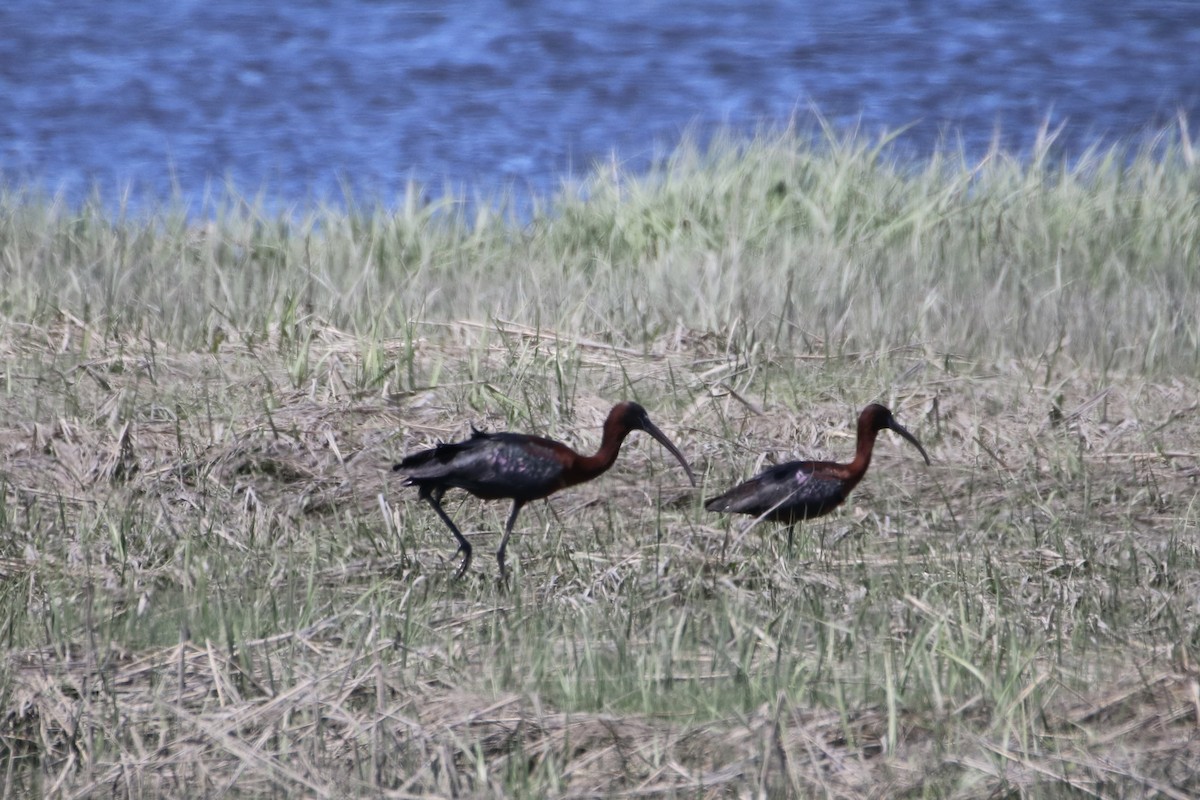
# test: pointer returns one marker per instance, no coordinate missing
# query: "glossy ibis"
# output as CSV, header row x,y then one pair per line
x,y
800,490
520,467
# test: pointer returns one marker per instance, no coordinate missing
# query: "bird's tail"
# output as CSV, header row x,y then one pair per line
x,y
717,503
434,461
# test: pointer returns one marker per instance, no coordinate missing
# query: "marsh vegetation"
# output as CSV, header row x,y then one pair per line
x,y
211,582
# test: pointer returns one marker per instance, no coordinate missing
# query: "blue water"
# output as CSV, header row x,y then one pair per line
x,y
303,98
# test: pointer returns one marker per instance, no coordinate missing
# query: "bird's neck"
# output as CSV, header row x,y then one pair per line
x,y
862,453
587,467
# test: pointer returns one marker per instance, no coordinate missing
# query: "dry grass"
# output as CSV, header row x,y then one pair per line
x,y
212,585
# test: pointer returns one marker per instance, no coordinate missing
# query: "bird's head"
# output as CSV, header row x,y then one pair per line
x,y
876,417
629,416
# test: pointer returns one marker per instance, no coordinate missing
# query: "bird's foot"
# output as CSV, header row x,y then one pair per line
x,y
466,562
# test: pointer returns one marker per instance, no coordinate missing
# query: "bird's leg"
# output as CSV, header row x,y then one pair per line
x,y
791,535
508,526
435,499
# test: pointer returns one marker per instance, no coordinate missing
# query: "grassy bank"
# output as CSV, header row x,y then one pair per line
x,y
784,244
210,581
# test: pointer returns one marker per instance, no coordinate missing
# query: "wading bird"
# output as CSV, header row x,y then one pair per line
x,y
800,490
520,467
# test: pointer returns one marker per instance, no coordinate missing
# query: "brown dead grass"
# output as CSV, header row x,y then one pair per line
x,y
199,722
221,443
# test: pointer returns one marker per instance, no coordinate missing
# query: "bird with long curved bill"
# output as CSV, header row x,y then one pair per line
x,y
521,468
800,490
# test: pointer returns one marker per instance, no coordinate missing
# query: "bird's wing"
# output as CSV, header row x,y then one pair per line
x,y
490,465
794,483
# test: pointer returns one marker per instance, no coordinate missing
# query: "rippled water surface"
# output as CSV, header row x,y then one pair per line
x,y
303,97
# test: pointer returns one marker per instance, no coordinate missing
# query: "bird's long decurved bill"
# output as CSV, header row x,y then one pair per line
x,y
900,429
653,430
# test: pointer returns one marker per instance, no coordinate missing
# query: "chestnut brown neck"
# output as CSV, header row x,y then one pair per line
x,y
869,426
585,468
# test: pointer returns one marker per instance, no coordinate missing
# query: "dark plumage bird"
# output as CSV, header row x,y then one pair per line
x,y
520,467
801,490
